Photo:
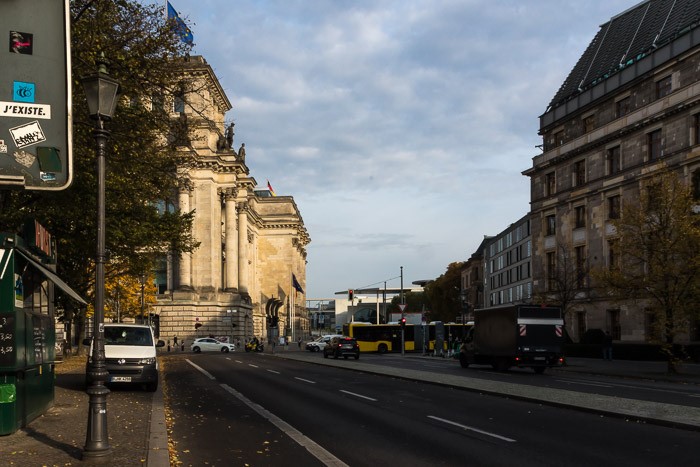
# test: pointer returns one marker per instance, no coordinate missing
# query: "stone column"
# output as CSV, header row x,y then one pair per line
x,y
185,269
231,240
243,247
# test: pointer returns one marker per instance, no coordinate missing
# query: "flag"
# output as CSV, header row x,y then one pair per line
x,y
296,284
269,187
179,25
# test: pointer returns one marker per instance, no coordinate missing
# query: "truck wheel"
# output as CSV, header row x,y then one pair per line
x,y
539,369
463,361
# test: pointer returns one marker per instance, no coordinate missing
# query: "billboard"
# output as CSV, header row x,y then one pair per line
x,y
35,95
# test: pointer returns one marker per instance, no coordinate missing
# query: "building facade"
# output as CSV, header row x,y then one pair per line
x,y
252,245
629,108
507,276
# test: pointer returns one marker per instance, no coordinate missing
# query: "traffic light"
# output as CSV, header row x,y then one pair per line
x,y
351,294
402,321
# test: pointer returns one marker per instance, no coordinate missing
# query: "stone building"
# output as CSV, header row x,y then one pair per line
x,y
252,243
628,107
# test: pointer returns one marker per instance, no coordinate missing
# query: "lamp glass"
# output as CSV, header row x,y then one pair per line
x,y
101,93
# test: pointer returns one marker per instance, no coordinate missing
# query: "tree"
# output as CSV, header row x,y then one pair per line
x,y
416,302
125,294
443,294
659,258
141,215
567,279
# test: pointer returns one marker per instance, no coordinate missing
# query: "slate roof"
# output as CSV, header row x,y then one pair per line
x,y
626,38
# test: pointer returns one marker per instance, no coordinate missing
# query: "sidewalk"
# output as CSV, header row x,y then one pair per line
x,y
136,419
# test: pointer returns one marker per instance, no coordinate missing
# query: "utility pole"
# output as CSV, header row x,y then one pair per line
x,y
403,327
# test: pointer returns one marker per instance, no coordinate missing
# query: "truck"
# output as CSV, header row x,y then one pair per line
x,y
515,336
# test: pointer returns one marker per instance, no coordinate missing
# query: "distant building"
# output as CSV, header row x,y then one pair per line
x,y
507,259
630,106
252,243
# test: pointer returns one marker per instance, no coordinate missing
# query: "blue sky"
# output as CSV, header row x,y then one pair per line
x,y
400,127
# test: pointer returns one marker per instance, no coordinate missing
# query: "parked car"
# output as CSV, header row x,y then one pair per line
x,y
320,343
209,344
130,355
342,346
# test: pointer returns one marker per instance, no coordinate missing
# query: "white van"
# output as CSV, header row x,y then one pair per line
x,y
130,355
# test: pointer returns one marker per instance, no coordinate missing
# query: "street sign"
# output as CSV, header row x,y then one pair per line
x,y
402,307
35,95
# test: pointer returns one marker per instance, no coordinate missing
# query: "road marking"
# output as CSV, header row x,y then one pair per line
x,y
469,428
305,380
584,384
202,370
275,372
317,451
359,395
254,366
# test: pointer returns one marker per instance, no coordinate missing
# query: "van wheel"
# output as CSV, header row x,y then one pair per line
x,y
196,349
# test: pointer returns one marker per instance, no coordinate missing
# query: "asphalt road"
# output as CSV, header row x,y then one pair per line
x,y
253,409
640,389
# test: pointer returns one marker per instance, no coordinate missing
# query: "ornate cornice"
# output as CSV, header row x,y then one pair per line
x,y
228,193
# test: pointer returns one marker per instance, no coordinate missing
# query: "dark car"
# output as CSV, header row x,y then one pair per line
x,y
342,346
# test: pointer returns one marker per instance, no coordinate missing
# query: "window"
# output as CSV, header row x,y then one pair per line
x,y
580,212
613,256
558,138
580,173
663,87
580,253
588,124
613,160
614,207
622,107
551,270
654,150
550,184
614,324
696,185
179,103
551,224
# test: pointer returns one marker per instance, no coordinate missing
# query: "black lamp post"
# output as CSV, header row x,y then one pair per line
x,y
101,94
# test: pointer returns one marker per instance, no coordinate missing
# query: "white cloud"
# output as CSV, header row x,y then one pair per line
x,y
401,127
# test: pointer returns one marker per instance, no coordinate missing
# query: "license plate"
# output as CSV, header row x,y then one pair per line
x,y
121,379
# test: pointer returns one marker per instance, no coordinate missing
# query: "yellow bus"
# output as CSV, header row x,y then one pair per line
x,y
382,338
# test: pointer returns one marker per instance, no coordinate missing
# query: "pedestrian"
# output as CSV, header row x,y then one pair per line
x,y
299,342
182,345
607,346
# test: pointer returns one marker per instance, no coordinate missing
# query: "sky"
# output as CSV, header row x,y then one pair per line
x,y
400,127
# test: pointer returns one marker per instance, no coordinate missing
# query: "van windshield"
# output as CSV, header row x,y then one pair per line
x,y
118,335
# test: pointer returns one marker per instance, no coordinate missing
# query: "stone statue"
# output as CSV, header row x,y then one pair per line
x,y
229,136
241,153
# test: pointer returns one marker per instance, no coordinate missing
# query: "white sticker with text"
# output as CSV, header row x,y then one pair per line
x,y
27,134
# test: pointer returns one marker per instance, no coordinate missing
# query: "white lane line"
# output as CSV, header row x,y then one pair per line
x,y
317,451
238,361
275,372
694,395
584,384
469,428
359,395
254,366
201,370
305,380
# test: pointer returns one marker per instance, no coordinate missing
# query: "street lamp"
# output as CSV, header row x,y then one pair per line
x,y
101,94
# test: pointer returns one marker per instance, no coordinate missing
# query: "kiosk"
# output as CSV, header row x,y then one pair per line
x,y
27,326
